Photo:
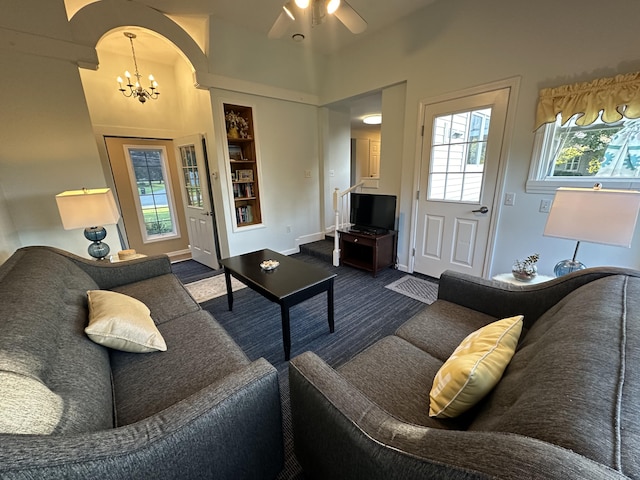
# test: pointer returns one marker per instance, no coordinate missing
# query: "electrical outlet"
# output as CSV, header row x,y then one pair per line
x,y
510,199
288,228
332,173
545,205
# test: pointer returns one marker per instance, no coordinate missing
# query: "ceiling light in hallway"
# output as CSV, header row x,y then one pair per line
x,y
136,90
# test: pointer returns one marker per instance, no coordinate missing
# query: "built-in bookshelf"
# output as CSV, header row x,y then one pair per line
x,y
243,162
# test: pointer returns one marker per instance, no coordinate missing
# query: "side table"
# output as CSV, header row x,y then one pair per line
x,y
509,278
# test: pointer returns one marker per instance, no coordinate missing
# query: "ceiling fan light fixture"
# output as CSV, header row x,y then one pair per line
x,y
375,119
288,9
332,6
302,3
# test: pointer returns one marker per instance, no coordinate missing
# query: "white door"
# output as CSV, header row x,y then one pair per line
x,y
196,200
460,161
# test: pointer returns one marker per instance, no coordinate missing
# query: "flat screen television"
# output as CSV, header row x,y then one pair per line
x,y
372,213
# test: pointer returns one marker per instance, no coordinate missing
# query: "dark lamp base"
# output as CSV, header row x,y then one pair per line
x,y
98,249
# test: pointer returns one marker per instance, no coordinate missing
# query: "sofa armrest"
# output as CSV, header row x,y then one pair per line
x,y
231,429
340,433
110,275
500,299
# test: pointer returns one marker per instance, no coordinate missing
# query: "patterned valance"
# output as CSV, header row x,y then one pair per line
x,y
617,97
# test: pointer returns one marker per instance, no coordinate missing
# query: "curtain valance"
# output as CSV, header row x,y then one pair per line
x,y
617,97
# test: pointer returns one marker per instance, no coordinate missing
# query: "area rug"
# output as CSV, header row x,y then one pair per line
x,y
213,287
416,288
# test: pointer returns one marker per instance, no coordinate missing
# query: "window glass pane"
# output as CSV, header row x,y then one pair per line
x,y
472,187
191,176
597,150
459,145
437,182
453,190
149,172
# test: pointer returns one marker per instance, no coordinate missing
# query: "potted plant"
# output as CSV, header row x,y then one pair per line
x,y
525,270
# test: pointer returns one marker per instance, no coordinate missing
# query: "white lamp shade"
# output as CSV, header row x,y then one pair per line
x,y
599,216
87,208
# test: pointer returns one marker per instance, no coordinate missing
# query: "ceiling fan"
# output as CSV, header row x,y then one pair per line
x,y
319,11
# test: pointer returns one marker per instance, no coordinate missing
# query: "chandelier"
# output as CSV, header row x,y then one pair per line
x,y
136,90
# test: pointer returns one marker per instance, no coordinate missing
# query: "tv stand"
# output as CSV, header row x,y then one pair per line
x,y
368,251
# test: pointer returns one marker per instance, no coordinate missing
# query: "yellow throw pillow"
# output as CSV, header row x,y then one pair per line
x,y
474,368
123,323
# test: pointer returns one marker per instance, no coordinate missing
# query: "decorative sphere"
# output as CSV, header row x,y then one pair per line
x,y
567,266
98,250
95,234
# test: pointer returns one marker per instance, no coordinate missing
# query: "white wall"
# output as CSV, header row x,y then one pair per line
x,y
336,154
453,45
46,147
47,144
287,142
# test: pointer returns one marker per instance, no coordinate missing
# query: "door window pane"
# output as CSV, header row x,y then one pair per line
x,y
154,203
191,176
458,152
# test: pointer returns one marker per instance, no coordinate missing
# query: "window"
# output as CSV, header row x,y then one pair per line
x,y
574,155
458,153
154,202
588,133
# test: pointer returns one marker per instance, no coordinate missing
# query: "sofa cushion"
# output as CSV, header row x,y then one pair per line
x,y
47,361
568,383
199,353
122,322
474,368
397,376
174,300
439,328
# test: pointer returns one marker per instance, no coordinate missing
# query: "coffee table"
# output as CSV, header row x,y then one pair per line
x,y
292,282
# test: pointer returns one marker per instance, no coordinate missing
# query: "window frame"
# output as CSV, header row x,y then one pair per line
x,y
537,182
146,238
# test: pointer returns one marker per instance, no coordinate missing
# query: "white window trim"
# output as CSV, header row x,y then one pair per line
x,y
136,198
550,185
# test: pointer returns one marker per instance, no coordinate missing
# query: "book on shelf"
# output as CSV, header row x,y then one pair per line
x,y
244,214
243,190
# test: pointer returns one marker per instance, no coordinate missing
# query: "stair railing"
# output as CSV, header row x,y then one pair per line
x,y
340,200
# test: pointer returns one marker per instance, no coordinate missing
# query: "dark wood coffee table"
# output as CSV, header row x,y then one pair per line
x,y
292,282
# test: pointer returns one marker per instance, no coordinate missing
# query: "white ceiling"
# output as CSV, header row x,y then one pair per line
x,y
258,16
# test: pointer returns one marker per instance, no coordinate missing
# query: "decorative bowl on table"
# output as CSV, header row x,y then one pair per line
x,y
525,270
269,265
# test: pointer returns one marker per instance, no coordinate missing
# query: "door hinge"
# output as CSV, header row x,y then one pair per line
x,y
422,132
418,195
413,252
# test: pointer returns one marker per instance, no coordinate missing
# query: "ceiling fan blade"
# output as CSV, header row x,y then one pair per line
x,y
350,18
279,26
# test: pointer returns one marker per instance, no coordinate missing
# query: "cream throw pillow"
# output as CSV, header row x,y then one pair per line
x,y
121,322
474,368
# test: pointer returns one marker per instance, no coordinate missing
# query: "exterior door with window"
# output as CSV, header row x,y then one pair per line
x,y
147,185
196,200
460,162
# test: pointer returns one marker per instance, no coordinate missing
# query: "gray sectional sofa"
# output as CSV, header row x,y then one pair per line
x,y
567,406
73,409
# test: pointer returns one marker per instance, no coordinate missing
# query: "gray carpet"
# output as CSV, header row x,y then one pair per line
x,y
365,311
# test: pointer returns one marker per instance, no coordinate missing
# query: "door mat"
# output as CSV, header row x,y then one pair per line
x,y
211,287
416,288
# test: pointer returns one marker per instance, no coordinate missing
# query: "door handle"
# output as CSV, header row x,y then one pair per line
x,y
482,209
207,214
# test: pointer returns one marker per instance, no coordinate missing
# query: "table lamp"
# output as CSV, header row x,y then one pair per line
x,y
592,215
89,209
